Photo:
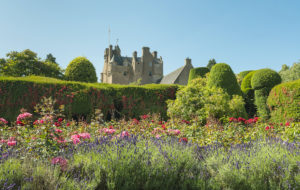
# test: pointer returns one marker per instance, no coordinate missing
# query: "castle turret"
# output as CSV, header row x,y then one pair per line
x,y
134,54
154,54
145,51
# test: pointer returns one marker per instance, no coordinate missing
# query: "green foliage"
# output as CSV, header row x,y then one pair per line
x,y
199,101
223,77
197,72
211,63
162,164
261,96
81,99
27,63
265,78
262,82
284,101
240,77
289,74
246,83
248,92
82,70
50,58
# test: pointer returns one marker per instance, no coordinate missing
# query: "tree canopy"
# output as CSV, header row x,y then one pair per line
x,y
27,63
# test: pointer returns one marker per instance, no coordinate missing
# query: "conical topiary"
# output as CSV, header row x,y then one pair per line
x,y
221,75
197,72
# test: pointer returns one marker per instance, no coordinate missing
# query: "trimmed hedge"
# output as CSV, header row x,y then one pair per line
x,y
222,76
284,102
81,99
262,82
197,72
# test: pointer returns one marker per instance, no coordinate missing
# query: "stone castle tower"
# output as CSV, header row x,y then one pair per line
x,y
124,70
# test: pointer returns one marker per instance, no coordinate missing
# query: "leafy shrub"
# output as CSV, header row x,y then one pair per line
x,y
198,72
199,101
290,74
262,82
81,99
222,76
284,101
81,69
248,92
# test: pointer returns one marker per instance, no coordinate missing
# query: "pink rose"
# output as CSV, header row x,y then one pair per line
x,y
11,143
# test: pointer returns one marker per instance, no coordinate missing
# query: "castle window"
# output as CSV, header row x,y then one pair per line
x,y
125,73
150,73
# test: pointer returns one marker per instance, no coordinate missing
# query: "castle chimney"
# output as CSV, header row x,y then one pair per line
x,y
154,54
188,61
134,54
145,50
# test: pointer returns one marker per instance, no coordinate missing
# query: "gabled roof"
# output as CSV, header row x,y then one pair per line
x,y
171,78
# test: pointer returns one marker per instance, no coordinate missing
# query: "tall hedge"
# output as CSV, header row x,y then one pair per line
x,y
248,93
284,102
81,69
262,82
80,99
222,76
197,72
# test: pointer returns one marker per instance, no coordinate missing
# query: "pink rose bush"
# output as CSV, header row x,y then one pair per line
x,y
3,121
24,116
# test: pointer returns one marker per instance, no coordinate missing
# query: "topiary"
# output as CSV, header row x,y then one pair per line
x,y
246,83
81,69
265,78
197,72
284,102
222,76
242,75
248,92
262,82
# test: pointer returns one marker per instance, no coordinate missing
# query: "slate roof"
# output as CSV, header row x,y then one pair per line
x,y
171,78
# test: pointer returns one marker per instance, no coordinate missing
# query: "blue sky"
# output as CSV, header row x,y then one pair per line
x,y
246,34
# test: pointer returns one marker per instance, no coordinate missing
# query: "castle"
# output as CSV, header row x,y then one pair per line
x,y
124,70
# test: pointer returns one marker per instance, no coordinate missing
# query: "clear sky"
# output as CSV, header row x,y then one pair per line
x,y
246,34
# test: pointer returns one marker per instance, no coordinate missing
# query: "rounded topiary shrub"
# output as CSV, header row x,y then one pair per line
x,y
248,92
81,69
242,75
197,72
246,82
284,102
262,82
222,76
265,78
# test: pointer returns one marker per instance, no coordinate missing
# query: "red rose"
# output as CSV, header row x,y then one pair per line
x,y
267,128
